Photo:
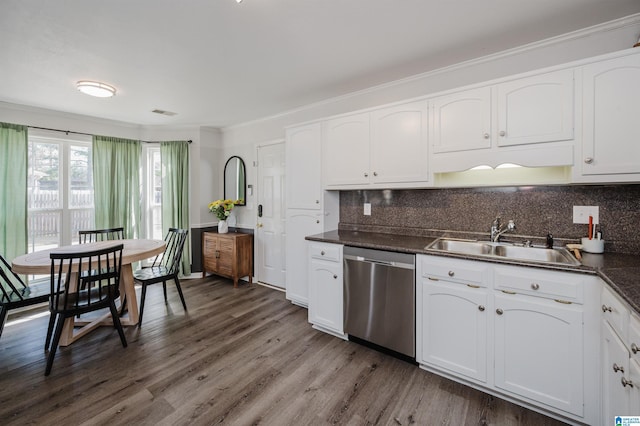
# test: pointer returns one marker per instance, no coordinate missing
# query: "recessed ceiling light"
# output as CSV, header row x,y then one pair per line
x,y
95,88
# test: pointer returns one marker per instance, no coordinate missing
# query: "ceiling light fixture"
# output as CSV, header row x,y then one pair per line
x,y
95,88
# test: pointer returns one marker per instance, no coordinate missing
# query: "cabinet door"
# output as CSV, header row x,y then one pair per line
x,y
399,144
346,150
536,109
539,351
454,328
611,129
634,390
326,295
300,223
209,250
226,259
303,164
462,121
615,397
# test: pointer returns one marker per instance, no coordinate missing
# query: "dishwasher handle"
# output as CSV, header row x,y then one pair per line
x,y
379,262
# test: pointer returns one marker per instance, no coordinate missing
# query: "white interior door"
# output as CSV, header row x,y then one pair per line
x,y
270,228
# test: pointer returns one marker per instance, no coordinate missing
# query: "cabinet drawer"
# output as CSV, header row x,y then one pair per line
x,y
562,286
454,270
330,252
615,312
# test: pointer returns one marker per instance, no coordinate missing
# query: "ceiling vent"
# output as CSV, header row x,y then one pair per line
x,y
163,112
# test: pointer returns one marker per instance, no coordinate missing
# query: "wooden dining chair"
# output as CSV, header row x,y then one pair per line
x,y
166,266
93,235
83,282
14,293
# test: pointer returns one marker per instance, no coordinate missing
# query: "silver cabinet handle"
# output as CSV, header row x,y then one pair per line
x,y
481,308
535,286
451,273
486,135
499,311
335,277
317,201
588,160
626,382
606,308
375,173
317,220
366,174
617,368
503,133
634,348
322,253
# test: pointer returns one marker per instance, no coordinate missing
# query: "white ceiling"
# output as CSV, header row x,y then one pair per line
x,y
219,63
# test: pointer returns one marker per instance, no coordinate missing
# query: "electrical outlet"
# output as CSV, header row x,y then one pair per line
x,y
581,214
367,209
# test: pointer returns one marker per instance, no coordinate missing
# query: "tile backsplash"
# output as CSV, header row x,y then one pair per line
x,y
469,212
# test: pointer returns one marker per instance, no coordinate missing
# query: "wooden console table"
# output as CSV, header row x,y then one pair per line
x,y
229,255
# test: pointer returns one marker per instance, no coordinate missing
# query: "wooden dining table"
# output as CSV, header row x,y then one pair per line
x,y
39,263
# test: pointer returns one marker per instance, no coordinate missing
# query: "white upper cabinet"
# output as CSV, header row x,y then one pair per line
x,y
383,148
303,164
611,124
462,121
536,109
505,123
346,150
399,149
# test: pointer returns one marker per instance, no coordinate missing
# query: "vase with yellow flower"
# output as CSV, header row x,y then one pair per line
x,y
222,210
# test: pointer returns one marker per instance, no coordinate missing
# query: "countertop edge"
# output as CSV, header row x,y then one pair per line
x,y
592,264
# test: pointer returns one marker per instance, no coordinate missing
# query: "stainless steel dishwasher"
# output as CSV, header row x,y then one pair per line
x,y
379,298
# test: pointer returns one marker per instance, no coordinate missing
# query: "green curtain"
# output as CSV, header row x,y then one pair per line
x,y
116,182
174,156
13,190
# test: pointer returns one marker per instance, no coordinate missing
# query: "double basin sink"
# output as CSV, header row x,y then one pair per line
x,y
499,250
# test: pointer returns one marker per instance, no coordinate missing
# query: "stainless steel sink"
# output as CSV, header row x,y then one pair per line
x,y
504,251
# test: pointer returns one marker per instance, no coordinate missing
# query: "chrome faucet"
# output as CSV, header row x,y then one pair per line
x,y
496,231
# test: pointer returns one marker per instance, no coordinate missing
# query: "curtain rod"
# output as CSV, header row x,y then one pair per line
x,y
81,133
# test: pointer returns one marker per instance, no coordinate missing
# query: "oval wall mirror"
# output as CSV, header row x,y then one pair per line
x,y
235,180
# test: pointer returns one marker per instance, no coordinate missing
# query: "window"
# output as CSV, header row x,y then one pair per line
x,y
60,189
152,192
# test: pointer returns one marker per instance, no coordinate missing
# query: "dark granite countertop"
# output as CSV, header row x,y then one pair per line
x,y
620,271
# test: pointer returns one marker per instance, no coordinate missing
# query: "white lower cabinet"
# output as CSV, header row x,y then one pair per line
x,y
326,288
460,346
539,350
620,355
300,223
517,332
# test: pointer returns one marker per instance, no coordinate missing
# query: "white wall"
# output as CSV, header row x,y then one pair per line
x,y
614,36
205,149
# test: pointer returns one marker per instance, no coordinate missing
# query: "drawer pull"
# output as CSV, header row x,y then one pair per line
x,y
217,254
432,279
564,302
617,368
451,273
626,382
535,286
473,286
508,292
481,308
499,311
322,253
634,348
606,308
335,277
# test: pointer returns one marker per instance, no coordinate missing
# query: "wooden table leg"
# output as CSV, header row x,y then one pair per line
x,y
127,288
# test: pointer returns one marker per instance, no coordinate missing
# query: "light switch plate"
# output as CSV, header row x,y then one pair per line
x,y
367,209
581,214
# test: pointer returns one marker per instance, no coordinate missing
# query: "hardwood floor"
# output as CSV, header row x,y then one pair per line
x,y
242,356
